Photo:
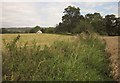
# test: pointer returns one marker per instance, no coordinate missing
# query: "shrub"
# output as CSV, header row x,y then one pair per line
x,y
82,59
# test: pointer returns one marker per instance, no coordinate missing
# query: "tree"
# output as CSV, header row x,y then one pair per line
x,y
118,26
83,26
97,21
61,28
35,29
70,19
110,23
4,30
73,22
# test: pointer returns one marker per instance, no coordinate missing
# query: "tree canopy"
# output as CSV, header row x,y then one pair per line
x,y
35,29
70,19
74,22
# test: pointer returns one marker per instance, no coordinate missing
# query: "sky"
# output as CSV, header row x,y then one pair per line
x,y
47,14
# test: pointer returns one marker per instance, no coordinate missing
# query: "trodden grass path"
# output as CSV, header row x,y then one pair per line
x,y
113,50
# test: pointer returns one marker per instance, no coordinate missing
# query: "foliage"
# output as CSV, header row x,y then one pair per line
x,y
35,29
109,25
15,30
97,22
72,22
48,30
3,30
112,24
118,25
82,59
83,26
70,19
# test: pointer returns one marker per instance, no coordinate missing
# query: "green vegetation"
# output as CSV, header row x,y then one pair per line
x,y
74,22
59,57
82,59
41,39
35,29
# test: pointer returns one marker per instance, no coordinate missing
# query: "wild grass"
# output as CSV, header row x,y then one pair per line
x,y
41,39
83,59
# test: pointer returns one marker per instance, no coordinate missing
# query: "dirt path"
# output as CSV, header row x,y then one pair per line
x,y
113,50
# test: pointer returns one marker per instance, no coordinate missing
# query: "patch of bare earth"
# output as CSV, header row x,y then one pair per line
x,y
113,50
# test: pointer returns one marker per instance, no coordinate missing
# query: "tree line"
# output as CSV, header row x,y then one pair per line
x,y
73,22
27,30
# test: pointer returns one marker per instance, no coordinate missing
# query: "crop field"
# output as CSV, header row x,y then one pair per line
x,y
63,58
40,39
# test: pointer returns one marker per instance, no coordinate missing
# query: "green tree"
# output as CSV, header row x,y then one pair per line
x,y
49,30
60,28
83,26
4,30
35,29
117,26
110,23
70,19
97,21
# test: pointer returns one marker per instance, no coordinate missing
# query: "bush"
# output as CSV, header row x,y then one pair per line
x,y
83,59
82,26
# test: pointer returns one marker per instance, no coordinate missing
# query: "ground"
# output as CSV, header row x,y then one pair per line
x,y
41,39
112,48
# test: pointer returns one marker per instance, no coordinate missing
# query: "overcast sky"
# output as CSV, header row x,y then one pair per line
x,y
21,14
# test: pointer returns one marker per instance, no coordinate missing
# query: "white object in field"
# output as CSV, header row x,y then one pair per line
x,y
39,32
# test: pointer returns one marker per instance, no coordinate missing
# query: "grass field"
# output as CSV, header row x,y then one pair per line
x,y
41,39
64,58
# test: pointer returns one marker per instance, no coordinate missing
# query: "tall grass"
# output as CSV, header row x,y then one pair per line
x,y
83,59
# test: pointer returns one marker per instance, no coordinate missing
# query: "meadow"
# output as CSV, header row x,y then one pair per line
x,y
40,39
53,57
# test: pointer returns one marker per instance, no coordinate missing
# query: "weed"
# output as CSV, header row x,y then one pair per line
x,y
83,60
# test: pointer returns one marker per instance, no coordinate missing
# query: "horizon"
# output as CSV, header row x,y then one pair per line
x,y
27,26
47,14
